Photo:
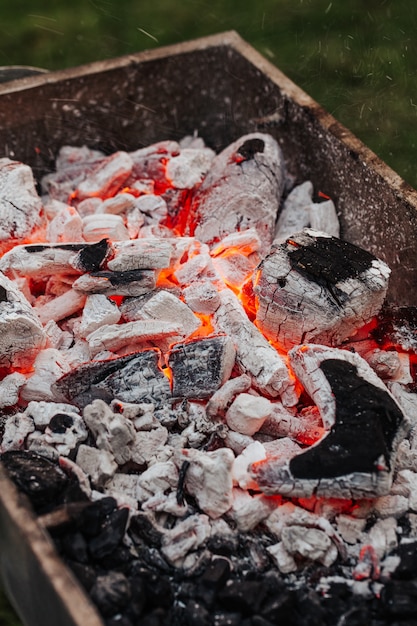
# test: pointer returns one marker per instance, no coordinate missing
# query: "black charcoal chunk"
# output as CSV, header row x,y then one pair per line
x,y
111,534
400,598
60,423
250,147
200,367
216,573
38,477
74,546
397,328
143,529
111,593
133,378
91,257
407,568
90,521
245,596
367,420
227,618
85,573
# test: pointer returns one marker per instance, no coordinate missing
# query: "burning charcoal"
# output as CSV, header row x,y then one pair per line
x,y
241,190
133,378
186,536
141,254
245,242
306,428
61,307
200,367
114,337
111,593
247,413
118,204
107,177
99,465
235,268
131,283
49,366
9,389
150,162
104,226
397,327
209,479
316,288
112,431
254,355
21,333
152,208
40,479
202,297
220,401
188,168
39,260
66,226
98,311
356,458
20,205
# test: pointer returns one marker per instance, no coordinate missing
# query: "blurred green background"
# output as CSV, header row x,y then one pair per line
x,y
357,59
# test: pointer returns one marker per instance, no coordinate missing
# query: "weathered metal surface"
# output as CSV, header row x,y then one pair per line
x,y
222,88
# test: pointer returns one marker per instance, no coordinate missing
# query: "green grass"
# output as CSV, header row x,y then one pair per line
x,y
358,59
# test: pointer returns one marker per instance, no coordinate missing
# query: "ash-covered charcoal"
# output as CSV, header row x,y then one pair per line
x,y
21,333
141,254
20,205
40,260
241,190
316,288
366,424
107,177
199,367
128,283
133,378
90,257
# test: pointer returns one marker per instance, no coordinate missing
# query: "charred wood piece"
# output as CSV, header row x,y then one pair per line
x,y
356,458
129,283
241,190
316,288
200,367
397,327
133,378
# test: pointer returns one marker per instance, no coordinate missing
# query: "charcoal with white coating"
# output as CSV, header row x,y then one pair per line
x,y
295,212
254,355
61,307
186,536
221,399
189,167
49,366
21,333
65,432
133,378
98,311
199,367
20,205
166,307
99,465
40,260
209,479
317,288
108,176
247,413
241,190
9,389
356,457
112,431
16,429
141,254
104,225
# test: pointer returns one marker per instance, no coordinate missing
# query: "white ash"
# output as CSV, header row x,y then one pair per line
x,y
247,413
189,167
66,226
16,428
99,465
98,311
209,479
100,226
202,297
20,205
49,366
221,399
253,453
10,388
152,208
141,254
60,307
110,174
21,333
295,212
249,511
148,445
351,528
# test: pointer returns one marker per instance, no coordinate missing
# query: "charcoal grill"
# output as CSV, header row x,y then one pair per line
x,y
222,88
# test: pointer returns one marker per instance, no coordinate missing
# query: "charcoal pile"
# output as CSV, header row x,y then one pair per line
x,y
203,392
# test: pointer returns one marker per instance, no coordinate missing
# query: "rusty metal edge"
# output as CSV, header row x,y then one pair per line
x,y
16,510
